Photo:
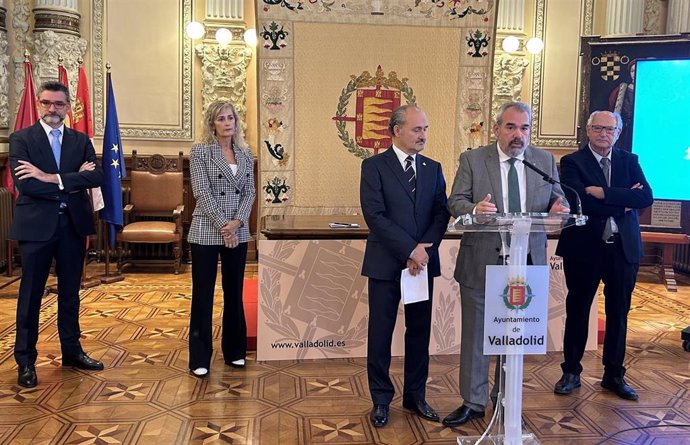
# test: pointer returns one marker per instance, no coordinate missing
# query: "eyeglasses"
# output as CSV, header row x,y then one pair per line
x,y
47,104
599,129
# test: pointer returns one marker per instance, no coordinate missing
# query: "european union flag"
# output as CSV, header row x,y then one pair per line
x,y
113,168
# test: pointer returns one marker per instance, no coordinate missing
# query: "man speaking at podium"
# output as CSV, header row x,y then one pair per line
x,y
608,248
493,179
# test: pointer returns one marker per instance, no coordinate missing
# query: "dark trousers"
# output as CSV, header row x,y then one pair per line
x,y
582,275
204,271
384,300
67,247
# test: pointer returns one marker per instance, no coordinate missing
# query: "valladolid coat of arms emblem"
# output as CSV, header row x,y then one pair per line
x,y
376,98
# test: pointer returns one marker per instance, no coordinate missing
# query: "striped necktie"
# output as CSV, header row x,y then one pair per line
x,y
410,174
606,168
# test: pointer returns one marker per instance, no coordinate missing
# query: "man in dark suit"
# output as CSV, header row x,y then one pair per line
x,y
53,166
403,198
608,248
483,185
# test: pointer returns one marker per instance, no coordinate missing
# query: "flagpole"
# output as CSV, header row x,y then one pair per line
x,y
88,282
107,278
114,192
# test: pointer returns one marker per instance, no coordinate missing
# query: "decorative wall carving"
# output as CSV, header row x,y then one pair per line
x,y
21,14
655,16
4,80
49,46
509,70
224,74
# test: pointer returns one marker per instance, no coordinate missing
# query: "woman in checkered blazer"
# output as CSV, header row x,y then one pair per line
x,y
222,173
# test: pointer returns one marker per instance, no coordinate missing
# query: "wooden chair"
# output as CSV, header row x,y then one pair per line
x,y
154,213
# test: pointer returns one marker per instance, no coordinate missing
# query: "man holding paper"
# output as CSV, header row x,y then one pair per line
x,y
493,179
403,199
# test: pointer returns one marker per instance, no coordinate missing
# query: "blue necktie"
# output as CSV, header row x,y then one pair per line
x,y
55,145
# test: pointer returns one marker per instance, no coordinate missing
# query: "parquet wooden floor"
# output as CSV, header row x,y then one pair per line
x,y
138,328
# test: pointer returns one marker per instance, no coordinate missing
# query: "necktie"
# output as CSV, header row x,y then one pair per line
x,y
606,168
55,145
513,188
410,174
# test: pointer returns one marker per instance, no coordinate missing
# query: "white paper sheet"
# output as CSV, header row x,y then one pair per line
x,y
414,288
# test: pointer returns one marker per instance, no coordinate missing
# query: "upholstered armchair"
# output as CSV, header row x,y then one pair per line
x,y
154,212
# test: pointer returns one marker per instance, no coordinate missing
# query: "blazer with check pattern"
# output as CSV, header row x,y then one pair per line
x,y
220,195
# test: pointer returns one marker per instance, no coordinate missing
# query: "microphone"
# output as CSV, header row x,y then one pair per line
x,y
552,181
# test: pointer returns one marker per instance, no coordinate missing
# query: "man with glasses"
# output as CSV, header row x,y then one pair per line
x,y
53,166
608,248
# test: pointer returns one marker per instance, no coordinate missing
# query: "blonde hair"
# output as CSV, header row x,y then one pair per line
x,y
212,112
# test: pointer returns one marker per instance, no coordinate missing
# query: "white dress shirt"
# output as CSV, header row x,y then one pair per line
x,y
402,156
520,168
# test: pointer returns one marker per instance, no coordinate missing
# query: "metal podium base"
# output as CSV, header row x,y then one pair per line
x,y
527,439
495,432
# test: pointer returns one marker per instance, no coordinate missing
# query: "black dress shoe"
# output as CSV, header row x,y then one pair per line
x,y
82,361
567,383
379,415
461,416
27,376
618,386
422,409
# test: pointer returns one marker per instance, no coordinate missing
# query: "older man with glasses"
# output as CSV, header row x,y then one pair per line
x,y
53,166
608,248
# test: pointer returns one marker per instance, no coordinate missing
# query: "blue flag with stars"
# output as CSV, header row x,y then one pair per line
x,y
113,168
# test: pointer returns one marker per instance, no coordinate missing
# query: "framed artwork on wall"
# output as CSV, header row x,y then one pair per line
x,y
608,80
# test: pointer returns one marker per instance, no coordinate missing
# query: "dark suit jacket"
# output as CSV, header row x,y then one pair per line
x,y
36,209
397,221
581,169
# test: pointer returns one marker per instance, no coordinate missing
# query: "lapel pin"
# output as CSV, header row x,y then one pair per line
x,y
424,164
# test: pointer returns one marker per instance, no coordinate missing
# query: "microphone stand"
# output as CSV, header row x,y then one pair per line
x,y
580,219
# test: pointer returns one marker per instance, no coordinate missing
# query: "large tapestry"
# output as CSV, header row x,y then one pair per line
x,y
330,73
